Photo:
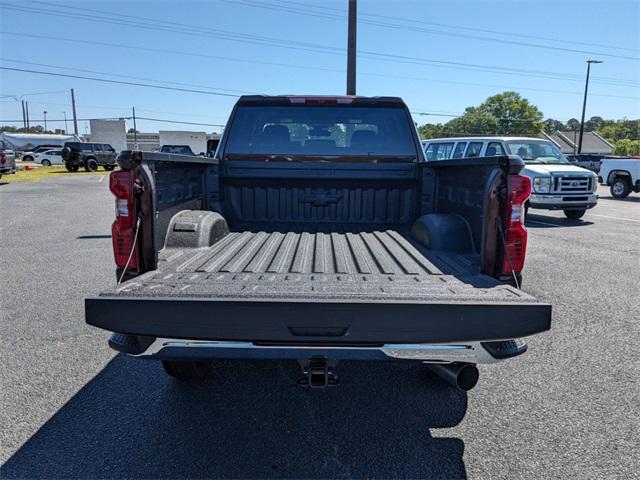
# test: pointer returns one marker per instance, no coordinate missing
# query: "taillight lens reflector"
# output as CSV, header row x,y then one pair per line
x,y
519,190
123,228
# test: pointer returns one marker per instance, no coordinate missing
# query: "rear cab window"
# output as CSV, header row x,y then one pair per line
x,y
439,151
307,132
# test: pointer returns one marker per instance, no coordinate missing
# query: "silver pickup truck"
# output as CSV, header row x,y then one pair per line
x,y
7,159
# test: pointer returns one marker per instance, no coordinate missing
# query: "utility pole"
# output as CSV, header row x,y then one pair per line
x,y
26,107
584,102
135,130
351,49
24,116
45,120
75,118
66,127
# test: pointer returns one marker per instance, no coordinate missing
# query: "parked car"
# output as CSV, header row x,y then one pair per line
x,y
295,242
88,155
177,149
30,155
622,175
556,184
7,159
49,157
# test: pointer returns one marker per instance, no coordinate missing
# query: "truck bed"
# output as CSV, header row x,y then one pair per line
x,y
338,286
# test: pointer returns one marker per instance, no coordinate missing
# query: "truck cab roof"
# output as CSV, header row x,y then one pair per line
x,y
319,100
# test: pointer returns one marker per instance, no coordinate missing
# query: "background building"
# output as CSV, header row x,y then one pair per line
x,y
113,132
567,142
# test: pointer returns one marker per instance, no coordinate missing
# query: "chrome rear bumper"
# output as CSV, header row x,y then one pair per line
x,y
176,349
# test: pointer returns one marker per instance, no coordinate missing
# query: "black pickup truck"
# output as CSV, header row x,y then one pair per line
x,y
318,232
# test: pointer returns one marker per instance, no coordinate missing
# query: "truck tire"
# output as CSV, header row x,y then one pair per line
x,y
620,188
187,371
71,168
27,158
574,214
91,165
46,163
108,168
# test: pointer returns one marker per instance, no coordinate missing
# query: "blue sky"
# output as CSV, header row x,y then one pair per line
x,y
219,46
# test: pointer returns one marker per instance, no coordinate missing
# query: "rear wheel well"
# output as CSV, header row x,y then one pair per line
x,y
617,173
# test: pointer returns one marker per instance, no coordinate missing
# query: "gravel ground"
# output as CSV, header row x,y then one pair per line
x,y
72,408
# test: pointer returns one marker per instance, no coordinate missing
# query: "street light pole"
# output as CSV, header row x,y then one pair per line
x,y
66,128
45,120
584,102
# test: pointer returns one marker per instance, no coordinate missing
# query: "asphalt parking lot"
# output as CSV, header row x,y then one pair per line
x,y
71,407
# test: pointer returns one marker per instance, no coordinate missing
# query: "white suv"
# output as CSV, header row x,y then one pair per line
x,y
555,183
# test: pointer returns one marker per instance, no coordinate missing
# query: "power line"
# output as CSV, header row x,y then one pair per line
x,y
122,76
120,109
162,87
180,122
373,74
304,67
387,24
457,27
232,36
206,32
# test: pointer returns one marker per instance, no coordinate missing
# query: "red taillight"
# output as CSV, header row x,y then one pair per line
x,y
123,229
515,232
3,158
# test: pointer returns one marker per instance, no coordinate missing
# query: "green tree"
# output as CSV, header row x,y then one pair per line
x,y
506,113
515,114
614,130
431,130
552,126
573,124
132,130
626,147
594,123
473,122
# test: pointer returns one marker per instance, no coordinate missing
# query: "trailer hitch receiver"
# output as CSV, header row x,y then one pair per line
x,y
318,372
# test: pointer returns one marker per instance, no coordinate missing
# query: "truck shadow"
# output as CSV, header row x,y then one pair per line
x,y
632,198
534,220
250,421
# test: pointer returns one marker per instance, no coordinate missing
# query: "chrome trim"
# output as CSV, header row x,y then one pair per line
x,y
471,352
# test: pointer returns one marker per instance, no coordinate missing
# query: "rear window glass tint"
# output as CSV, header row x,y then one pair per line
x,y
474,149
439,151
494,149
459,151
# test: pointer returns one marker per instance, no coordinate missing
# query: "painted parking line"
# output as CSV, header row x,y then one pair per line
x,y
101,178
614,218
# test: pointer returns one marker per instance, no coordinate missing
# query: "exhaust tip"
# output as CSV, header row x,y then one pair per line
x,y
463,376
467,377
